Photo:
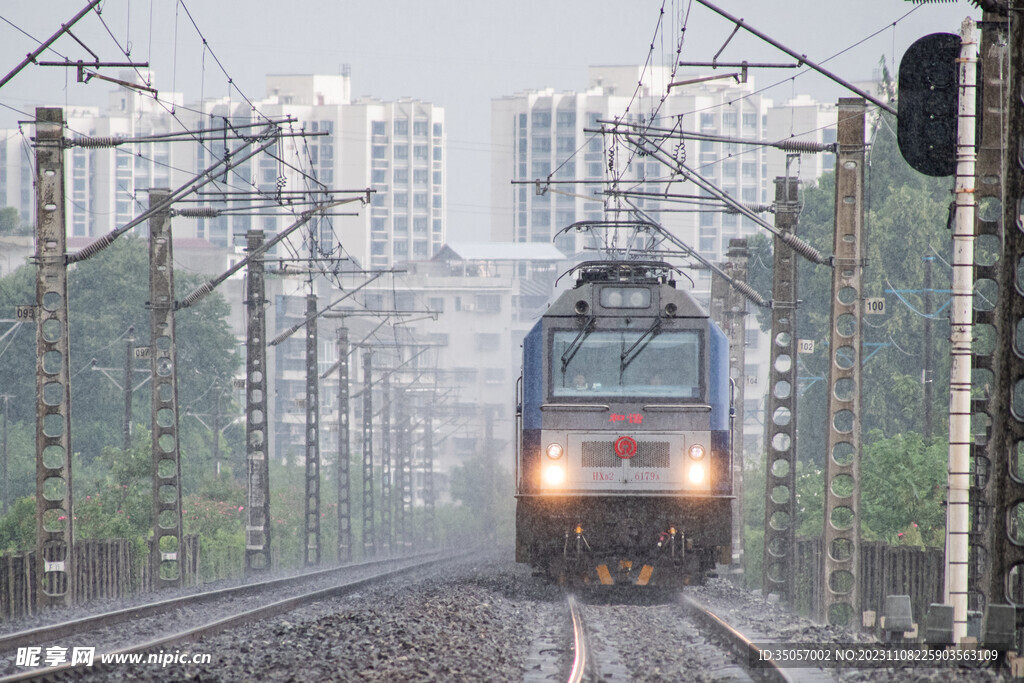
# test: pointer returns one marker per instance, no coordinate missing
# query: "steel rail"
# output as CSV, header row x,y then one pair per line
x,y
579,640
745,648
44,634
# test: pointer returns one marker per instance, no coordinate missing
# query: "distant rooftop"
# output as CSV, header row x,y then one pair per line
x,y
499,251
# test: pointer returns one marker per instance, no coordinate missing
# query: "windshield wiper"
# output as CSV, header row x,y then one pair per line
x,y
628,356
577,342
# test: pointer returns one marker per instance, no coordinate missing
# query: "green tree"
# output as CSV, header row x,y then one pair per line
x,y
107,295
905,222
10,222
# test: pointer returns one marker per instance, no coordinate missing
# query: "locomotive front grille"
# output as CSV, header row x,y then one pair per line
x,y
600,454
649,454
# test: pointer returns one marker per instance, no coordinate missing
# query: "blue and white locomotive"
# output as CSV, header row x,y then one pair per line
x,y
623,459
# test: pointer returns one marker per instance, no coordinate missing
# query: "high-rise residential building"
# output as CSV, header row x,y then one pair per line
x,y
801,118
394,148
547,136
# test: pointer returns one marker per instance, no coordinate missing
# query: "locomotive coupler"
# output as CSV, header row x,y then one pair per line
x,y
667,540
578,546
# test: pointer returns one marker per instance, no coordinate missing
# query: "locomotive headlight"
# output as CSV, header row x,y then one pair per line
x,y
696,451
696,473
554,451
638,298
554,475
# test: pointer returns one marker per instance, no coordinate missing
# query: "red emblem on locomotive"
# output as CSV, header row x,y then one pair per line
x,y
625,447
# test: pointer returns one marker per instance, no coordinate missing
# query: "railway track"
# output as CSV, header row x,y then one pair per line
x,y
596,657
235,609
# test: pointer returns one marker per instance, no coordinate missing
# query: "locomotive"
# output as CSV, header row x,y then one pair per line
x,y
623,459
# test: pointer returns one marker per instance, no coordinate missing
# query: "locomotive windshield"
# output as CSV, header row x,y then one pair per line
x,y
633,363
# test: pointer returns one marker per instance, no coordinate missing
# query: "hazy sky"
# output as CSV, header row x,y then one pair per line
x,y
456,53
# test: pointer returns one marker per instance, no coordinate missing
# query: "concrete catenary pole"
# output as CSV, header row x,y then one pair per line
x,y
386,501
841,597
728,310
54,514
369,537
257,530
344,446
167,556
312,535
988,230
957,510
780,512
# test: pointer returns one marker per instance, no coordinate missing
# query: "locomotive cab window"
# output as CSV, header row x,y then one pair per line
x,y
627,363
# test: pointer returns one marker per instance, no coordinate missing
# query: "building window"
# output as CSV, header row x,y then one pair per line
x,y
419,128
379,152
494,376
420,152
541,118
729,119
541,169
707,121
401,127
437,201
401,151
565,119
486,341
419,224
437,153
436,304
488,303
437,130
565,144
752,336
378,128
541,144
401,176
401,225
437,177
419,176
401,200
379,175
749,121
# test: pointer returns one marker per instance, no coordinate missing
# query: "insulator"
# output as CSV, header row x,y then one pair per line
x,y
91,249
802,248
752,208
197,212
808,146
751,293
112,141
198,294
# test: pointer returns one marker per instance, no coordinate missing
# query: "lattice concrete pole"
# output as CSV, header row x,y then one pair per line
x,y
988,230
728,308
369,537
312,437
779,566
408,498
343,476
957,511
167,559
429,520
54,513
1006,584
401,448
841,597
386,500
257,530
